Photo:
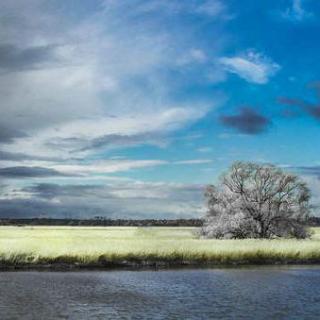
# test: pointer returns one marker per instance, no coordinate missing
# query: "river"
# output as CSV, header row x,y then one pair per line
x,y
232,293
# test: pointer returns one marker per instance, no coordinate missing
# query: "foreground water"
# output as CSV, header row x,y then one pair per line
x,y
250,293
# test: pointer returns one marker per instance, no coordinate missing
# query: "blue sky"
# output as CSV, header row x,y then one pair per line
x,y
129,108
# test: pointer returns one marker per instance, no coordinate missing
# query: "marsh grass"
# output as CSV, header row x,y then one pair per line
x,y
103,246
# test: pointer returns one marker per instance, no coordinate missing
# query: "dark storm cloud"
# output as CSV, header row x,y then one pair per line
x,y
14,156
52,190
114,190
7,134
115,200
118,140
13,58
29,172
292,102
18,156
314,112
312,109
108,141
247,121
36,208
308,170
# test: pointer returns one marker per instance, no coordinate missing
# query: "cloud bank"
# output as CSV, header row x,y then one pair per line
x,y
132,199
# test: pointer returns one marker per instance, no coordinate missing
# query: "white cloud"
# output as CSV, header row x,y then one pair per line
x,y
296,12
252,67
105,166
209,8
72,136
204,149
193,161
193,56
97,168
105,78
212,8
121,70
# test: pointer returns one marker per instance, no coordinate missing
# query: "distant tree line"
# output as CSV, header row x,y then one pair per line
x,y
100,221
313,221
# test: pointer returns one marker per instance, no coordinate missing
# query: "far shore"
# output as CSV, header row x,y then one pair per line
x,y
154,265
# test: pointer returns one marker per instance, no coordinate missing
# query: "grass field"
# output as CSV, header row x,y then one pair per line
x,y
123,246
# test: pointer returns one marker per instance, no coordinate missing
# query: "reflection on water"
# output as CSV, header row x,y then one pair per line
x,y
251,293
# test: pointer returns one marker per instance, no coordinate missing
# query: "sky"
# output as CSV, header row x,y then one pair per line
x,y
129,108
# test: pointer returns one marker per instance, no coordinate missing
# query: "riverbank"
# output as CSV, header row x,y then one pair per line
x,y
143,265
71,248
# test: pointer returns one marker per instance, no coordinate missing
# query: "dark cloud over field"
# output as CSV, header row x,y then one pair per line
x,y
17,156
29,172
7,134
118,140
13,58
113,200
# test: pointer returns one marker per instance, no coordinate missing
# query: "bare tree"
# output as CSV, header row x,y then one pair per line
x,y
257,201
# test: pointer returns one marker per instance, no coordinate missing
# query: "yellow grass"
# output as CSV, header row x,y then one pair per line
x,y
176,245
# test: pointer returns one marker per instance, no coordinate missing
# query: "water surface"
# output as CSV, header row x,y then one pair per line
x,y
246,293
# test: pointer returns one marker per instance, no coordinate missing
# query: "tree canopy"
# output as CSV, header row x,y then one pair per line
x,y
257,201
